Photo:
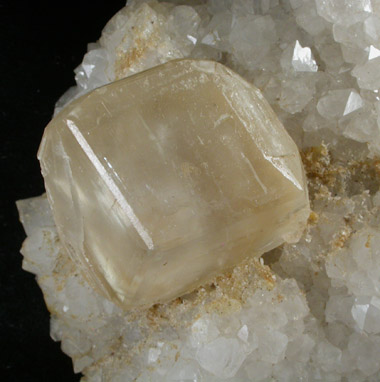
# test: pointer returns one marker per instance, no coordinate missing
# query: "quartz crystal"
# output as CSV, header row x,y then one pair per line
x,y
160,181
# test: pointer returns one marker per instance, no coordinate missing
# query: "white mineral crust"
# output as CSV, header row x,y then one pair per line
x,y
313,312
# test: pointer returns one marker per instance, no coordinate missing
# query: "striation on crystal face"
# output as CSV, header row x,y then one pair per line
x,y
160,181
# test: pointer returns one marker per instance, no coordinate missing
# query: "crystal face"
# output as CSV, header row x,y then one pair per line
x,y
160,181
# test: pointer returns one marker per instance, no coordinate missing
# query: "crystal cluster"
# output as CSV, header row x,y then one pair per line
x,y
311,311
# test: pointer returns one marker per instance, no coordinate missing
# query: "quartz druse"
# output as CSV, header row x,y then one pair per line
x,y
160,181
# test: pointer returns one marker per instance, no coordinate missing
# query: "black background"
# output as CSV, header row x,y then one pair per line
x,y
40,45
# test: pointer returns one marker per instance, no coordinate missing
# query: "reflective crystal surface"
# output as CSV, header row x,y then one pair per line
x,y
160,181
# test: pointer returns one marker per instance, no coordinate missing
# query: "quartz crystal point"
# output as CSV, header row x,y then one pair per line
x,y
162,180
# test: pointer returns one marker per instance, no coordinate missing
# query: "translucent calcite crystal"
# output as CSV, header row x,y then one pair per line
x,y
162,180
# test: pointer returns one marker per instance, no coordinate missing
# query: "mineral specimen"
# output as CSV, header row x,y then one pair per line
x,y
160,181
307,311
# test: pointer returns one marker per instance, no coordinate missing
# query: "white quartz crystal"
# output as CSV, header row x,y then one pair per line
x,y
312,313
338,103
302,59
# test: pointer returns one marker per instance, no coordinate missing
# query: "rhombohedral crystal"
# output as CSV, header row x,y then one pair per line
x,y
160,181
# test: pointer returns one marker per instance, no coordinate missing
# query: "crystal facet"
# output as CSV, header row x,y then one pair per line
x,y
162,180
303,60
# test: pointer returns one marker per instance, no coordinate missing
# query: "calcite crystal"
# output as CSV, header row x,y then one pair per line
x,y
160,181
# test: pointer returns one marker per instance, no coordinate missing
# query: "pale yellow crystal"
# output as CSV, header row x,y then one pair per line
x,y
162,180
